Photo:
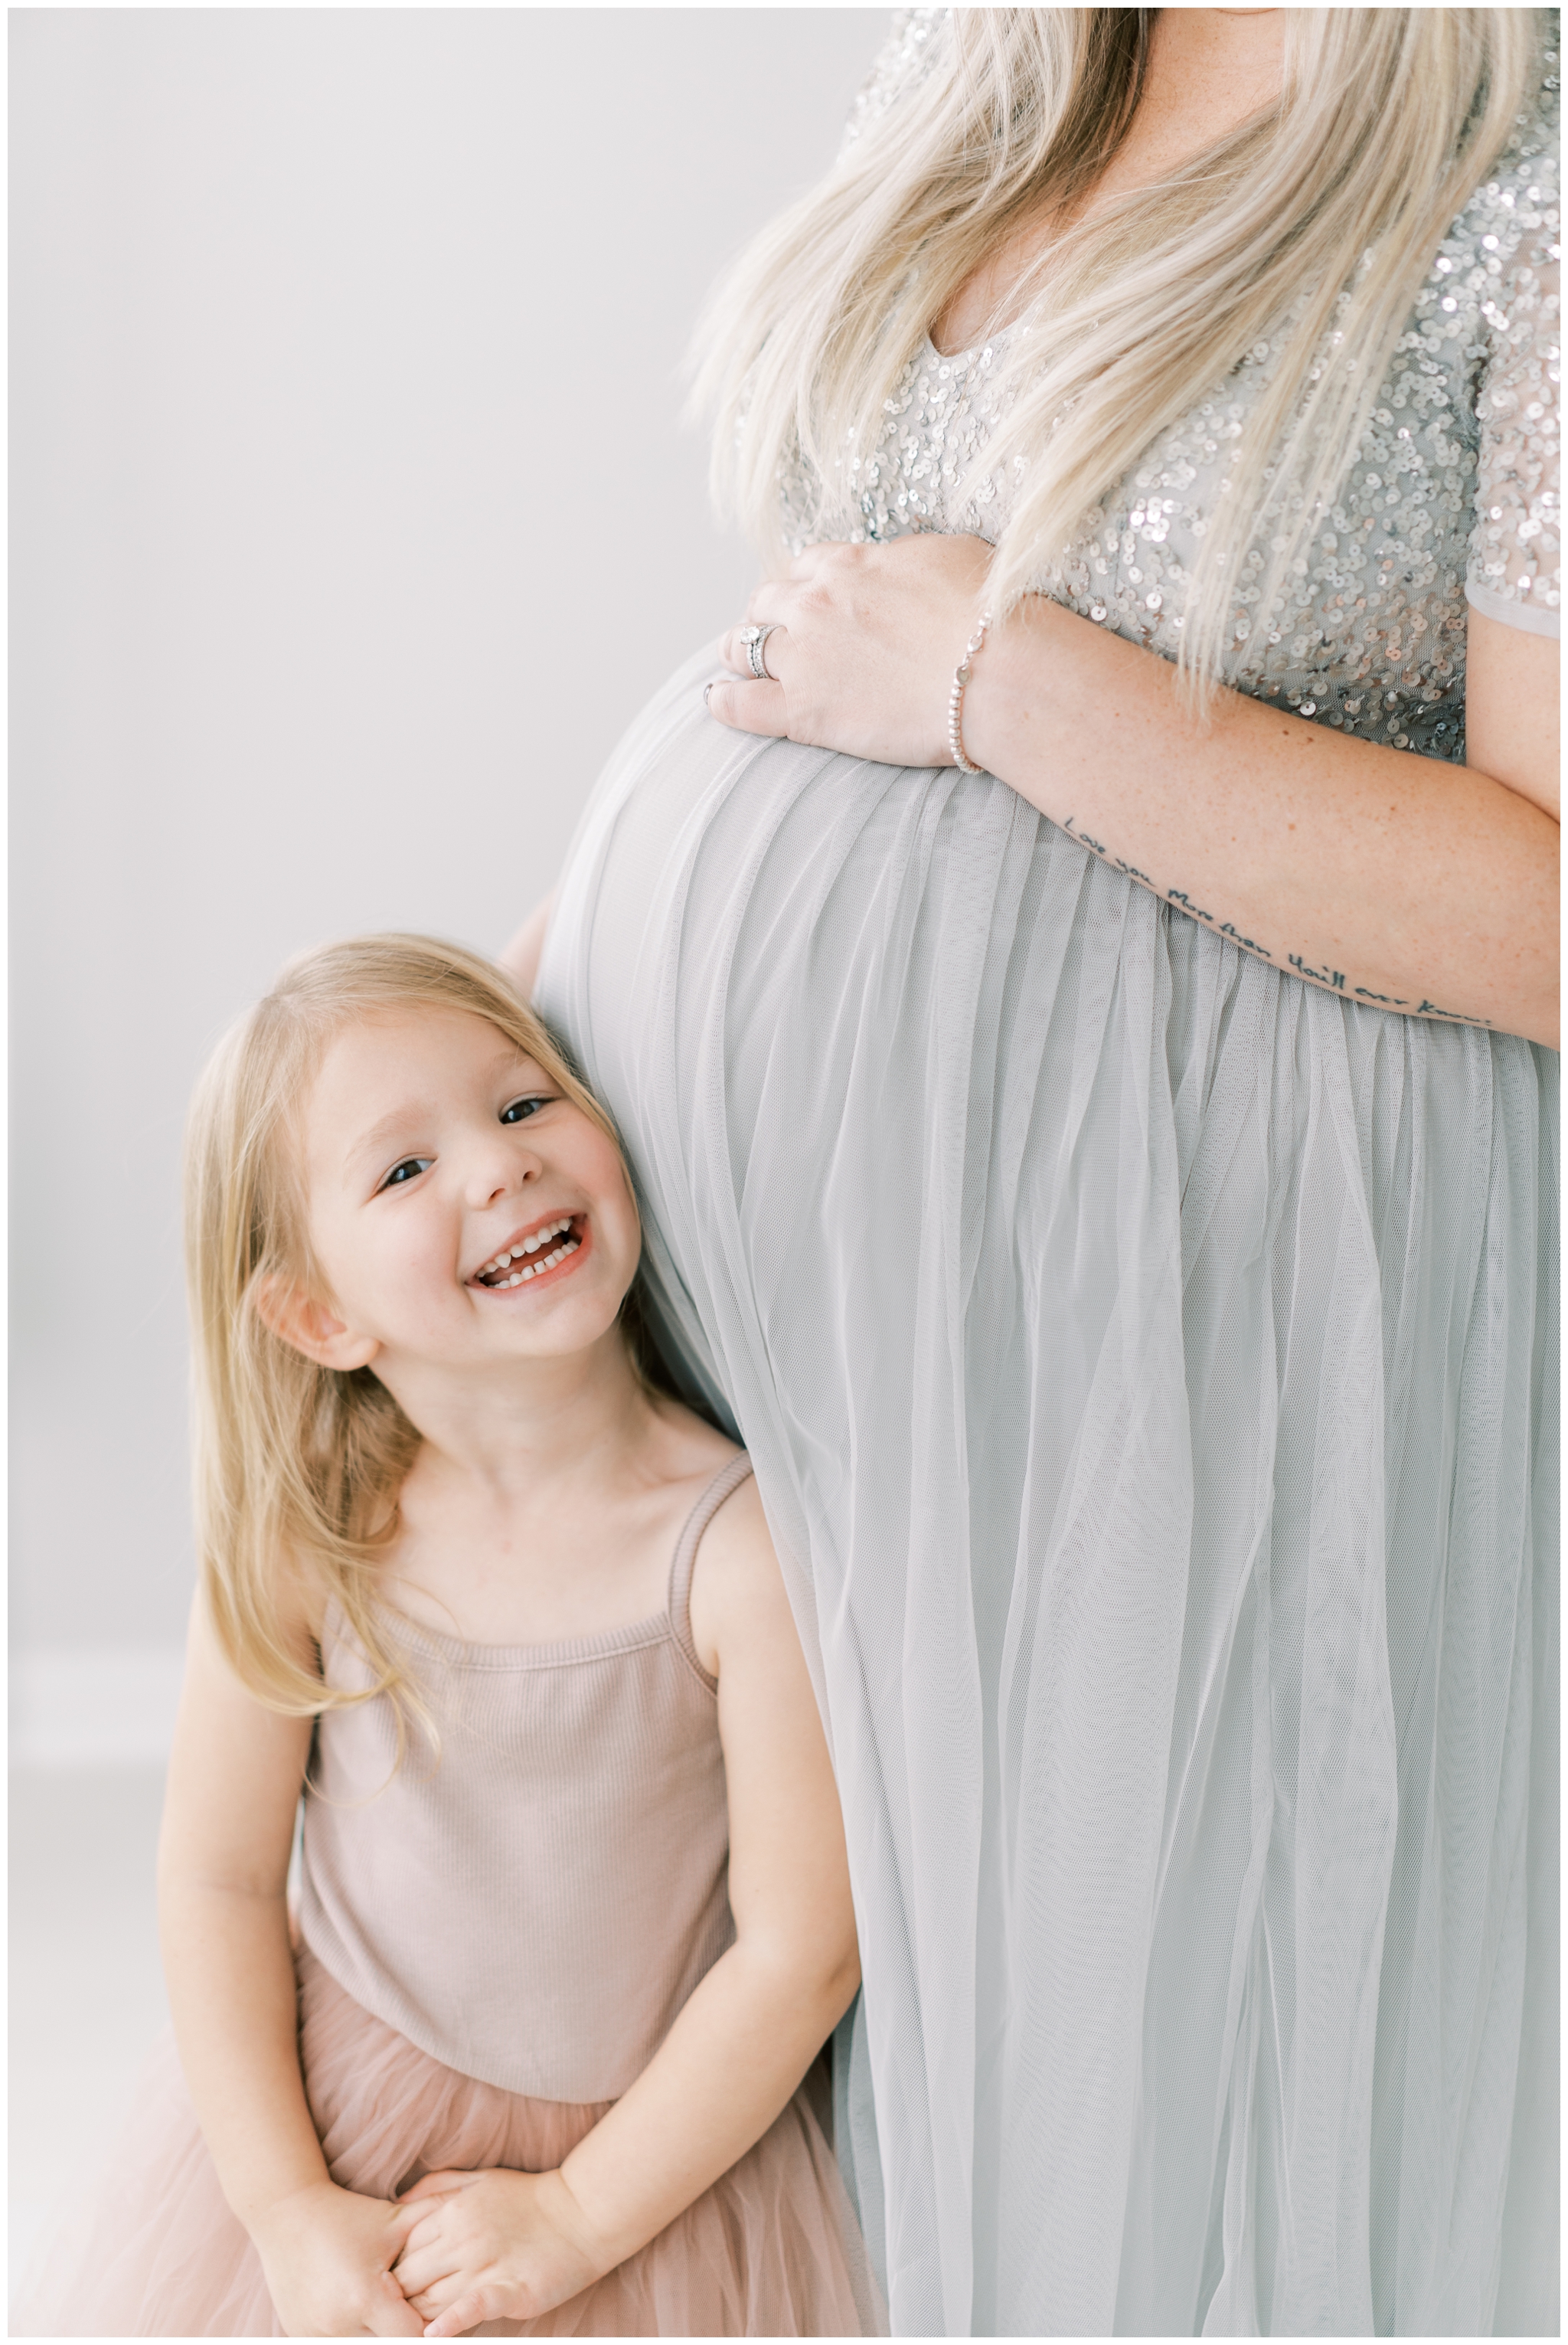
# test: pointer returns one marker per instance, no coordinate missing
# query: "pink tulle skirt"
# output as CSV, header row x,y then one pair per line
x,y
153,2250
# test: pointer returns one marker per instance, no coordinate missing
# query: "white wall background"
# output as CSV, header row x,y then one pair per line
x,y
352,519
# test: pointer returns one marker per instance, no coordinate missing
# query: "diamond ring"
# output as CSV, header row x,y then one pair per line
x,y
754,639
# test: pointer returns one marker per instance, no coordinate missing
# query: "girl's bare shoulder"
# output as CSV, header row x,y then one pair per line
x,y
691,1450
737,1591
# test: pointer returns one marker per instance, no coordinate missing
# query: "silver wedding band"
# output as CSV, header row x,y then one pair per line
x,y
754,639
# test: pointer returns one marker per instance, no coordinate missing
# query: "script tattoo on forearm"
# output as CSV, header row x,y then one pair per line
x,y
1331,980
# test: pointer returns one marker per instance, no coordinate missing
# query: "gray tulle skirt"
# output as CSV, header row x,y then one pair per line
x,y
1149,1364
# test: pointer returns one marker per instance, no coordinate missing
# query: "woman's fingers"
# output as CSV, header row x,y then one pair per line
x,y
749,707
771,602
734,650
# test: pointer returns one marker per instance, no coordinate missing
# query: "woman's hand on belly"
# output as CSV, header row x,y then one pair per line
x,y
1398,881
865,642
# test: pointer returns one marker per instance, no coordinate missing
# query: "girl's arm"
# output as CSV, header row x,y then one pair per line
x,y
1389,878
520,958
234,1784
507,2246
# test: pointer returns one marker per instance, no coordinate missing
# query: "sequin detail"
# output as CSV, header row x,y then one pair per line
x,y
1455,485
905,57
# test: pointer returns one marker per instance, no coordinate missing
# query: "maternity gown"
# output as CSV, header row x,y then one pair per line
x,y
1147,1361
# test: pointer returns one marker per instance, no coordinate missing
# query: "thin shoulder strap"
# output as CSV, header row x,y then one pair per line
x,y
728,1478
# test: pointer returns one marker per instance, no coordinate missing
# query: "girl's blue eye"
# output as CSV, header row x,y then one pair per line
x,y
521,1109
409,1170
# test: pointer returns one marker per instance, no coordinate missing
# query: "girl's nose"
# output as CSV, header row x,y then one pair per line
x,y
497,1172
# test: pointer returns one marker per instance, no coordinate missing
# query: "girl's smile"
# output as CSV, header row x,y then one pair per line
x,y
524,1258
463,1209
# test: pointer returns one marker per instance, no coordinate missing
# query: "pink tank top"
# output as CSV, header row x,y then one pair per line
x,y
535,1907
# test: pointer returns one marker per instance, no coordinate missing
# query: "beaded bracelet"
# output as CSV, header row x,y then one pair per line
x,y
961,676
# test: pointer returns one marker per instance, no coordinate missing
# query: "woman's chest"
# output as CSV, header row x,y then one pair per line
x,y
1367,636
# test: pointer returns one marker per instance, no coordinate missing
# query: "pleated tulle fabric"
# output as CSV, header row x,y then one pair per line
x,y
1147,1364
771,2250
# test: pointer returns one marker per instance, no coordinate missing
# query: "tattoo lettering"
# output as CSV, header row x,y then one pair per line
x,y
1331,980
1179,896
1455,1017
1171,895
1097,847
1334,978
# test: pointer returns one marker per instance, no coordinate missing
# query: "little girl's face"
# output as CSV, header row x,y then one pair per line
x,y
460,1207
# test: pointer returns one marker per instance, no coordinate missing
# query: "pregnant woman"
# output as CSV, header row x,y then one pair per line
x,y
1096,1122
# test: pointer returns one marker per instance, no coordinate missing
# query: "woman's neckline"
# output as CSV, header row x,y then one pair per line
x,y
971,350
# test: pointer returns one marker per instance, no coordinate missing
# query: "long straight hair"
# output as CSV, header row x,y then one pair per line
x,y
297,1468
1297,243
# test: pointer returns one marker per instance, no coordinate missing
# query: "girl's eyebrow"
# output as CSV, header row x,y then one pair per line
x,y
382,1133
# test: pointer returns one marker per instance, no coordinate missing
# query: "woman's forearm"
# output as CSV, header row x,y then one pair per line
x,y
231,1985
736,2053
1390,878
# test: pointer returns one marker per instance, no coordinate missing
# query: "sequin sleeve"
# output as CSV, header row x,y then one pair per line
x,y
1514,572
904,58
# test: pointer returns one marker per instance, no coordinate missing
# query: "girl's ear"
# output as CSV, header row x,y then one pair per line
x,y
298,1319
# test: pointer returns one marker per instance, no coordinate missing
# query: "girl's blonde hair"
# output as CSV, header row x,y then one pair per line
x,y
1320,218
297,1467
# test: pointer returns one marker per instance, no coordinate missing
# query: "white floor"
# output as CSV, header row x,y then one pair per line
x,y
86,1989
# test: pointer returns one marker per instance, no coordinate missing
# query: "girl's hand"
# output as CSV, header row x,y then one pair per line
x,y
328,2255
865,641
494,2245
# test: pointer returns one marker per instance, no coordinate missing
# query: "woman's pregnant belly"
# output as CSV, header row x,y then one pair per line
x,y
1073,1279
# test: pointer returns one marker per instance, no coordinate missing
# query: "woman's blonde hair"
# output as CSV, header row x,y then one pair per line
x,y
297,1467
1317,221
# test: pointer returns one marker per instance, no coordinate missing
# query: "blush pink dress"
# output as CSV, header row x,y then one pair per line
x,y
494,1940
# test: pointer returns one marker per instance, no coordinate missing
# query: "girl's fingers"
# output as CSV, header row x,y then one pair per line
x,y
391,2314
749,707
422,2265
440,2185
415,2246
427,2255
466,2313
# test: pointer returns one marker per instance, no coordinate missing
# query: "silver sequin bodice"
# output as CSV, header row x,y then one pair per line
x,y
1453,498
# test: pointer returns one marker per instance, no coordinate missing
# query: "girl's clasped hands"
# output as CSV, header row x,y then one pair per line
x,y
495,2245
459,2248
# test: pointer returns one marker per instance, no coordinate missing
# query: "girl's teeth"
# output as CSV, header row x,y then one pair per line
x,y
531,1245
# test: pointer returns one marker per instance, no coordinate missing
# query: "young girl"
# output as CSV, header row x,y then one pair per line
x,y
574,1916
